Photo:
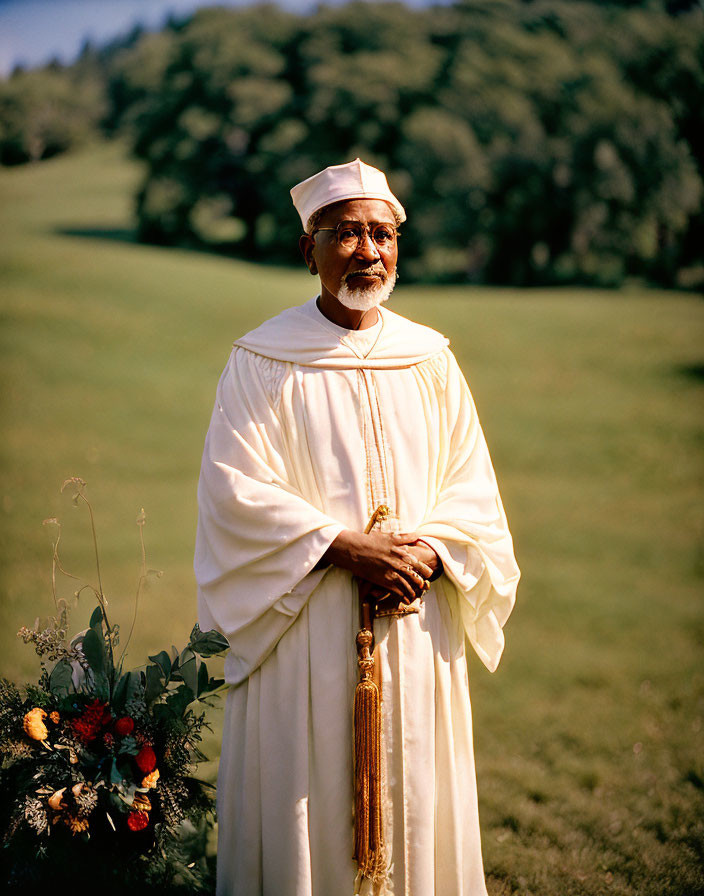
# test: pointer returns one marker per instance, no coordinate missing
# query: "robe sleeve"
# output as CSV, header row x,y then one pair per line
x,y
467,527
258,539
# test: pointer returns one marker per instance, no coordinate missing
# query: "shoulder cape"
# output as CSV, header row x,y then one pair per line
x,y
298,337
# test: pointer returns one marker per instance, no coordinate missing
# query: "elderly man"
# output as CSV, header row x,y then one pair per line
x,y
325,414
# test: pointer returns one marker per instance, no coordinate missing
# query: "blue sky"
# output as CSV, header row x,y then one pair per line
x,y
34,31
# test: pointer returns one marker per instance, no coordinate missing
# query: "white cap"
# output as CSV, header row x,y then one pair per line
x,y
353,180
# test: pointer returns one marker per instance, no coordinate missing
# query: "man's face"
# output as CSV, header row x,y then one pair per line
x,y
366,267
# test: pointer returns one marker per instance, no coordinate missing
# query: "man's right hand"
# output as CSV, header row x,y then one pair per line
x,y
382,558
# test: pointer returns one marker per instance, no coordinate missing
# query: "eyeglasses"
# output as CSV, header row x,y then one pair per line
x,y
349,234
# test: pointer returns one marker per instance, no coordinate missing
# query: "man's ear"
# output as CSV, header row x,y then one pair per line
x,y
307,244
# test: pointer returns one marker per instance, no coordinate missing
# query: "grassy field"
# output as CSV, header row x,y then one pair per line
x,y
590,736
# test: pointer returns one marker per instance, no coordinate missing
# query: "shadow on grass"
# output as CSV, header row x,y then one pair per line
x,y
114,234
691,371
129,235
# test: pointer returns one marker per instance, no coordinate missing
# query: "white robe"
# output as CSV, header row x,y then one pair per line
x,y
312,429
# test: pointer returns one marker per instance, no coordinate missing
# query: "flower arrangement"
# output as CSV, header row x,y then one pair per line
x,y
97,761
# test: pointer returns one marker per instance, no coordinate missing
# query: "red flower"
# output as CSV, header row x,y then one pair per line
x,y
137,821
87,726
146,759
124,726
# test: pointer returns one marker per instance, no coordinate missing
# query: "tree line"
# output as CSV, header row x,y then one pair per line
x,y
553,141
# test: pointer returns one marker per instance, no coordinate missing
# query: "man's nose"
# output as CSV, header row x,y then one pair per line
x,y
366,248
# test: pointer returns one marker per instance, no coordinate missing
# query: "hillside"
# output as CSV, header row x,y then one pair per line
x,y
589,737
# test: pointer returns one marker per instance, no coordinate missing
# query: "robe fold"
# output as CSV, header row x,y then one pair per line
x,y
313,427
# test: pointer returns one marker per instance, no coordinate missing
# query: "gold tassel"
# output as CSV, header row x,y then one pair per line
x,y
368,845
368,835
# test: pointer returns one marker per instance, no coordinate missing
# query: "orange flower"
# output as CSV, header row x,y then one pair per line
x,y
54,716
56,800
141,803
33,724
151,779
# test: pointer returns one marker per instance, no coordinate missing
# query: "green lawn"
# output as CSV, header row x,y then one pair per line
x,y
589,737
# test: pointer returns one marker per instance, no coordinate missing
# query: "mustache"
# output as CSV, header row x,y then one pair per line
x,y
374,270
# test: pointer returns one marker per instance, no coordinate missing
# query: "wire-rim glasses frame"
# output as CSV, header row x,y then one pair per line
x,y
349,234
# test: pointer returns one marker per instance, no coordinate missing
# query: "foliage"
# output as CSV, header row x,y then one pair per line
x,y
529,141
44,112
97,761
545,142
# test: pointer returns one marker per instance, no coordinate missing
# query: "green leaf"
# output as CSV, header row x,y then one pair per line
x,y
208,643
94,650
165,711
96,620
115,773
202,679
61,678
186,655
129,746
155,685
135,686
101,687
180,700
124,767
67,701
189,671
163,660
119,696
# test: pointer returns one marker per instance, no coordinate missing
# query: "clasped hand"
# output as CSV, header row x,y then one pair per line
x,y
385,562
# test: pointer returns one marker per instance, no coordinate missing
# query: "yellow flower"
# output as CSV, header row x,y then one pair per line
x,y
33,724
151,779
141,803
77,825
54,716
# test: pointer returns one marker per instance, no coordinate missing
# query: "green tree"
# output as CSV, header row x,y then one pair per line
x,y
210,94
535,142
44,112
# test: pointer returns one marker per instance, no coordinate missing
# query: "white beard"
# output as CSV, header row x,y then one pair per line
x,y
368,298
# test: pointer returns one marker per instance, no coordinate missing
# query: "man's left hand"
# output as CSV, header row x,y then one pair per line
x,y
422,551
425,559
